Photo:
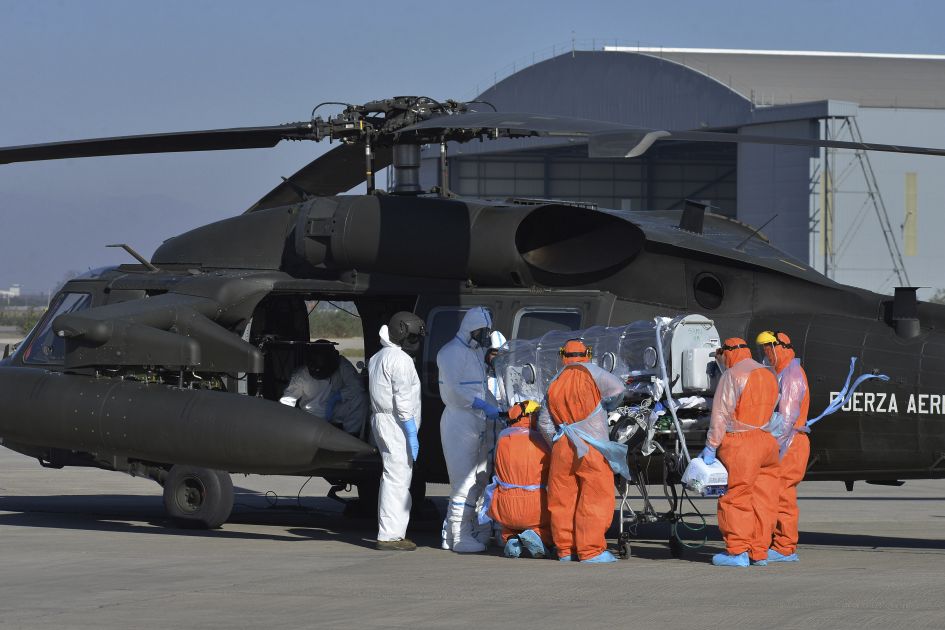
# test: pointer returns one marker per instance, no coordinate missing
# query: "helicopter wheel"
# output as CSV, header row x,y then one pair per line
x,y
198,497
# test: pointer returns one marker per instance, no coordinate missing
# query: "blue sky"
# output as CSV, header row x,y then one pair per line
x,y
96,68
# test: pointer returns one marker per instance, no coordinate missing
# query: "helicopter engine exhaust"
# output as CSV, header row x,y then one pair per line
x,y
497,245
504,244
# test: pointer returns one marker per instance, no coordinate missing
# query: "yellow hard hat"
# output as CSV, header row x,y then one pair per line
x,y
766,337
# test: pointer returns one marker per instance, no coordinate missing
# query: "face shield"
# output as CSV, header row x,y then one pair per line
x,y
767,354
767,343
411,343
720,360
481,336
322,362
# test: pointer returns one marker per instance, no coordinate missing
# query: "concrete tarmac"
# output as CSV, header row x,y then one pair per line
x,y
92,549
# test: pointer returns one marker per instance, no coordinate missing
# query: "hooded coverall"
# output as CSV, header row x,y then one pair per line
x,y
794,406
744,401
522,458
580,489
349,411
395,398
462,368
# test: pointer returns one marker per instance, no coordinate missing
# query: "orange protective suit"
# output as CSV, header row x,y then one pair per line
x,y
794,406
580,489
522,458
744,401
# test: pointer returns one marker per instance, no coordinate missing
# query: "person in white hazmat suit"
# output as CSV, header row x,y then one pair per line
x,y
395,420
495,391
468,405
329,387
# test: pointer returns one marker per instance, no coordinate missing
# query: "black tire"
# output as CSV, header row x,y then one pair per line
x,y
198,497
676,547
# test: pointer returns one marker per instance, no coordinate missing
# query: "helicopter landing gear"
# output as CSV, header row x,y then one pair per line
x,y
675,547
198,497
623,546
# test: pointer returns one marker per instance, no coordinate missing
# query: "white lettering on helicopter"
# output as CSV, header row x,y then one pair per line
x,y
882,402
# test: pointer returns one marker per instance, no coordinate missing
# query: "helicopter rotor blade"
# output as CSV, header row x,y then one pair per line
x,y
616,140
206,140
631,144
516,123
710,136
332,173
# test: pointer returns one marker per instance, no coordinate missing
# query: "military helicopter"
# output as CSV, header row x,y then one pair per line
x,y
171,367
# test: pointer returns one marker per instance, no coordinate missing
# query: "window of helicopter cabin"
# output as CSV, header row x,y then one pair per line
x,y
442,325
708,291
533,322
44,346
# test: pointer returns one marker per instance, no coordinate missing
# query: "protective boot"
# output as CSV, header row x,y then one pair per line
x,y
482,533
446,536
531,541
604,556
776,556
513,548
727,560
463,540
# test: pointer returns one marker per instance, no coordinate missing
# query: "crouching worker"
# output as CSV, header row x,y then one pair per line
x,y
517,498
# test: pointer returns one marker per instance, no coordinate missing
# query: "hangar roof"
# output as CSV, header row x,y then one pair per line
x,y
777,77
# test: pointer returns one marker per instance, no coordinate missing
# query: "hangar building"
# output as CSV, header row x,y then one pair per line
x,y
863,200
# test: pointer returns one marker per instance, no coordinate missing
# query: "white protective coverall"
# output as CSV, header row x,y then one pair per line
x,y
343,393
395,398
462,368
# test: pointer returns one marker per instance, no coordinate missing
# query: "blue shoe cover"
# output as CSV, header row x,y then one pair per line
x,y
604,556
726,560
759,563
565,559
513,548
775,556
531,541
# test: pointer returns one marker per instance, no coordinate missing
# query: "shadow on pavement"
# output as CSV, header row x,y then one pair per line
x,y
301,518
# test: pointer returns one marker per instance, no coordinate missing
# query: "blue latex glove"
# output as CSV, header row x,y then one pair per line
x,y
333,400
708,455
490,410
410,430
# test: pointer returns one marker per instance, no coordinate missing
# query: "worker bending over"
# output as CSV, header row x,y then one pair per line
x,y
329,387
517,498
583,459
792,438
744,401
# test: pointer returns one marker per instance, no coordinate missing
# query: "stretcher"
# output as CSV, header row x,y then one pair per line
x,y
670,372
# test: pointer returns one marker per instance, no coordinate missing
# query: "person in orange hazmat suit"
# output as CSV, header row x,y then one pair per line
x,y
792,438
742,409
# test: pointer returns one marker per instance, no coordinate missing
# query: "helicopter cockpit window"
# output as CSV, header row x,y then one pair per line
x,y
531,323
44,346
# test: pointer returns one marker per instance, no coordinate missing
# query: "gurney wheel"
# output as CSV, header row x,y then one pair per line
x,y
675,547
624,549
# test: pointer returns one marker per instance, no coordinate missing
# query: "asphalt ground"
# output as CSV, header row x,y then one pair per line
x,y
92,549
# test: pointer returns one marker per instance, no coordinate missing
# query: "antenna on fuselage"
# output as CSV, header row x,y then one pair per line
x,y
141,259
756,232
